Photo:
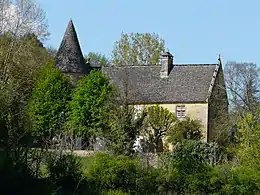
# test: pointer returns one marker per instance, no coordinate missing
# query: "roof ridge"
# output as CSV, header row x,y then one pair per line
x,y
197,64
129,66
160,66
213,80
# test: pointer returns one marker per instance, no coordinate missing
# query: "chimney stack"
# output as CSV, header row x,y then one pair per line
x,y
166,64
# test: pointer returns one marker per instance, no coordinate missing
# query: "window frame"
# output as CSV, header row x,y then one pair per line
x,y
180,111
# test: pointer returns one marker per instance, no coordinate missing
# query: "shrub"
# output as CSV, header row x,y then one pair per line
x,y
65,173
147,180
234,180
114,192
187,129
121,174
111,172
186,169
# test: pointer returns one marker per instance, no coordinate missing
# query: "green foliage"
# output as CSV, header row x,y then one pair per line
x,y
49,100
65,172
5,101
113,172
96,59
86,116
189,156
249,141
137,49
184,129
186,168
21,58
115,192
120,174
123,127
30,37
158,122
225,179
20,62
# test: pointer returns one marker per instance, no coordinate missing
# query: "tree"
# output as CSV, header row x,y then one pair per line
x,y
123,128
18,70
187,169
21,57
187,129
49,100
96,59
137,49
20,66
33,38
5,101
52,51
243,82
87,105
20,17
249,140
159,121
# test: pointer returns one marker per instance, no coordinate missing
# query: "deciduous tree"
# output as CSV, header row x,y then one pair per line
x,y
96,59
49,101
249,140
18,70
87,105
123,128
138,49
242,82
159,121
187,129
21,17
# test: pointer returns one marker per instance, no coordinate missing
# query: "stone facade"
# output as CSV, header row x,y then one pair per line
x,y
218,106
199,88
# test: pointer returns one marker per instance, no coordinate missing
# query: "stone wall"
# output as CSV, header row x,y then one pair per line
x,y
218,107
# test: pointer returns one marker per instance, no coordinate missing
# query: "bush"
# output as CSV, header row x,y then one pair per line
x,y
65,174
186,169
120,174
111,172
16,177
147,181
187,129
235,180
115,192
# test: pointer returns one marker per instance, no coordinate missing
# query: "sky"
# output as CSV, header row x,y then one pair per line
x,y
195,31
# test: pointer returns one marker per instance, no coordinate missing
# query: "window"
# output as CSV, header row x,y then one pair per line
x,y
180,111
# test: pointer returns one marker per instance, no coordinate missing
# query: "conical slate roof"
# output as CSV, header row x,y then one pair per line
x,y
69,58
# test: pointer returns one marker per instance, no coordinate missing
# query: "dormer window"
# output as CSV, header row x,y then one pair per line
x,y
180,111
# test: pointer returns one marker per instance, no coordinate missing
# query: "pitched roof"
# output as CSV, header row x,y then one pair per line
x,y
143,84
69,58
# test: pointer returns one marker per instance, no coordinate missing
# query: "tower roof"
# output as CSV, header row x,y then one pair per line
x,y
69,58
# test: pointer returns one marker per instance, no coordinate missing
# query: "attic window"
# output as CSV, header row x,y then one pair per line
x,y
180,111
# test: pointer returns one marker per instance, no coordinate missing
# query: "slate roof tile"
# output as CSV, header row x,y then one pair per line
x,y
69,58
185,83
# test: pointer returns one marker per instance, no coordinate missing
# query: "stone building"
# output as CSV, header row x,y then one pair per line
x,y
194,90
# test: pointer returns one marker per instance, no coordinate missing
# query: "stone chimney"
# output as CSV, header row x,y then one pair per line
x,y
166,64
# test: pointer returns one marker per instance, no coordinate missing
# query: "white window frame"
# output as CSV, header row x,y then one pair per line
x,y
180,111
